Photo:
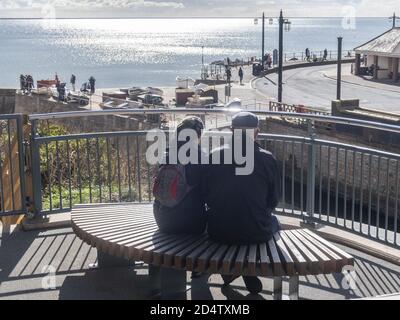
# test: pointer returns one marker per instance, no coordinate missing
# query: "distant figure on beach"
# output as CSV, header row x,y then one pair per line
x,y
29,83
308,55
241,75
22,82
325,55
228,76
57,80
73,81
269,61
92,82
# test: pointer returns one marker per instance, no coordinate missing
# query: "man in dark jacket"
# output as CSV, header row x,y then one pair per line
x,y
241,206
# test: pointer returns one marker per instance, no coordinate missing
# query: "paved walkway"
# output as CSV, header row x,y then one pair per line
x,y
312,87
364,81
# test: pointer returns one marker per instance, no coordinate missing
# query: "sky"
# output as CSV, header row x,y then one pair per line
x,y
194,8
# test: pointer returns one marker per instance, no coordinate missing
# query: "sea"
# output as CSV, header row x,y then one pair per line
x,y
121,53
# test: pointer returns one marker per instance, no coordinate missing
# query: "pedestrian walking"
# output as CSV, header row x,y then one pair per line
x,y
73,82
228,75
29,83
22,82
92,82
325,55
241,75
308,55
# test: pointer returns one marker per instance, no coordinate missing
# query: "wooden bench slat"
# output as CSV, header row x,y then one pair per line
x,y
276,260
116,245
228,260
146,253
158,255
300,261
252,260
136,252
171,256
337,260
121,230
92,215
192,256
328,266
110,224
134,233
217,259
103,215
345,255
204,259
265,262
240,259
115,226
312,262
285,255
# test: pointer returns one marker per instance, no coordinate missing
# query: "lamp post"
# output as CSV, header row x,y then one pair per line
x,y
394,18
339,70
263,41
283,23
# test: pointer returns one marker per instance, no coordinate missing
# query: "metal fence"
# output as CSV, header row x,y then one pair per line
x,y
12,167
346,186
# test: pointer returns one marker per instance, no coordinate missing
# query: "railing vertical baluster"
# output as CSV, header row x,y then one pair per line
x,y
387,200
119,171
129,169
345,188
293,176
1,184
378,197
320,181
311,168
148,176
58,166
361,193
78,160
98,159
302,179
36,176
69,175
337,187
370,194
21,158
353,202
50,177
11,168
396,211
109,170
284,176
88,168
138,169
328,204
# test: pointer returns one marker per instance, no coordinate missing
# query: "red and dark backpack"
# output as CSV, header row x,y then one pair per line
x,y
170,185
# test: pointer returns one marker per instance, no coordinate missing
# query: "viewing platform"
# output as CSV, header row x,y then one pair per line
x,y
344,192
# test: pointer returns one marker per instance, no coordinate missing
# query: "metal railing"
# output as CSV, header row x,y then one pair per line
x,y
12,168
347,186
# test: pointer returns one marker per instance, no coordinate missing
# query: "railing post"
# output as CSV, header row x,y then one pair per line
x,y
36,176
311,172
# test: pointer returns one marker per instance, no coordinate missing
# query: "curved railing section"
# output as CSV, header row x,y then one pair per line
x,y
323,181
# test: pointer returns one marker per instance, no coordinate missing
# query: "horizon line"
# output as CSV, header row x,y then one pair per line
x,y
170,18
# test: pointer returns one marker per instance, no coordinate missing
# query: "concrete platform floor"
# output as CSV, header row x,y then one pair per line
x,y
25,258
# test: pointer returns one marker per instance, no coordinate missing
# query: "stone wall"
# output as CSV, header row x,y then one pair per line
x,y
7,101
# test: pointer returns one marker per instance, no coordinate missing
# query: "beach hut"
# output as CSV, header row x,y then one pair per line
x,y
380,55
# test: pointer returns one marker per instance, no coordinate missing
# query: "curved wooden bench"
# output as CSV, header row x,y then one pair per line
x,y
128,232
